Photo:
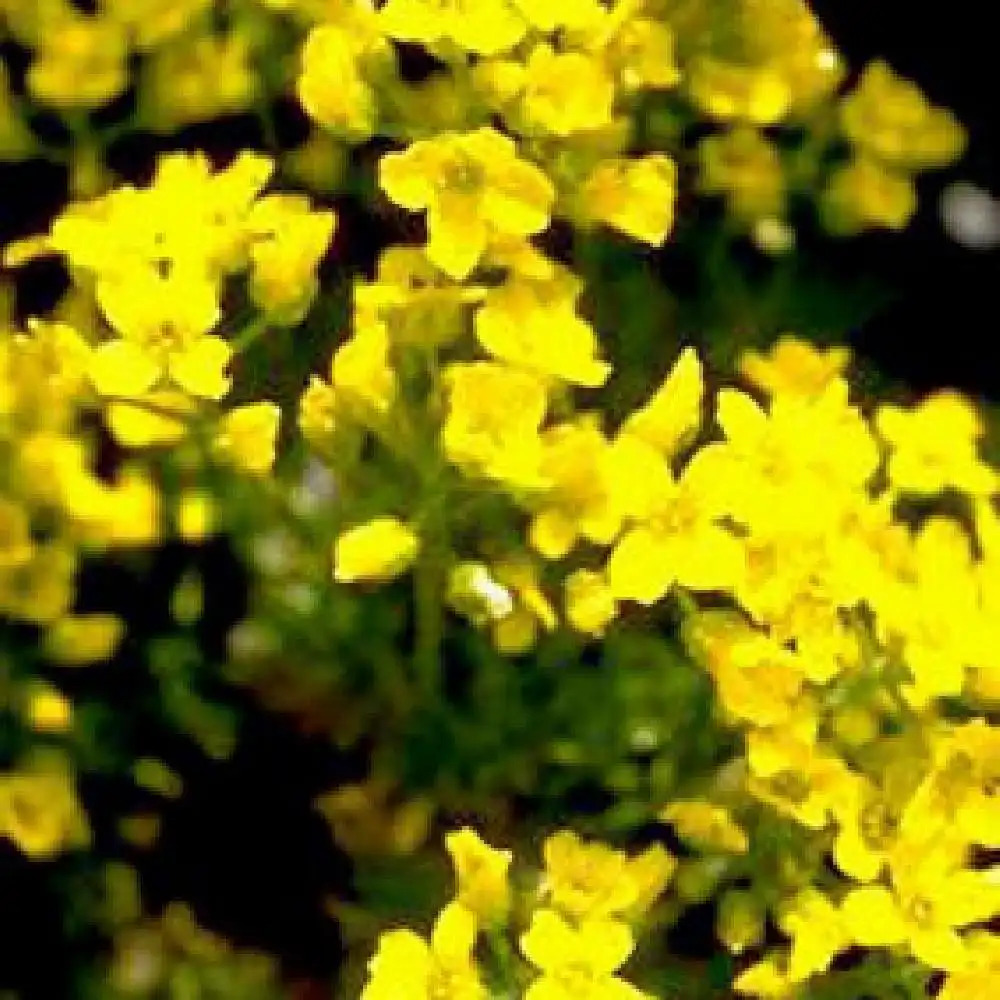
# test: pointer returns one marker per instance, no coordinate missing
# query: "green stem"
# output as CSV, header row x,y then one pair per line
x,y
429,573
251,333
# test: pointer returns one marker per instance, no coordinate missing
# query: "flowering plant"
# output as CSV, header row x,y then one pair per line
x,y
376,427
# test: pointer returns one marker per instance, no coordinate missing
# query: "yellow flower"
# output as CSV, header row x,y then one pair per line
x,y
705,825
472,185
547,16
730,91
487,27
756,678
379,549
565,92
419,302
673,414
582,466
48,711
639,50
492,421
865,194
247,437
81,63
818,932
578,963
889,118
405,967
289,238
677,539
932,897
745,167
793,775
39,810
515,631
481,872
587,879
794,367
361,374
934,445
635,196
190,80
534,325
164,325
590,604
79,639
124,513
764,979
332,86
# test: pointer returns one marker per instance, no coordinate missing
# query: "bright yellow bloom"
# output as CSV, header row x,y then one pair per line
x,y
48,711
333,87
419,302
578,963
361,374
481,872
765,978
590,604
889,118
405,967
931,899
565,92
729,91
547,16
865,194
795,776
487,27
582,466
39,810
491,427
934,445
289,238
676,539
473,185
635,196
818,934
515,631
589,880
165,326
639,50
535,325
673,414
247,437
868,821
794,367
705,825
379,549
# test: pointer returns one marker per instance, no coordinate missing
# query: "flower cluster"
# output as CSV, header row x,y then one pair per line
x,y
580,919
829,567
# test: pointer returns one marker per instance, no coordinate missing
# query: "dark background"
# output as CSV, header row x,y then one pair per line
x,y
942,327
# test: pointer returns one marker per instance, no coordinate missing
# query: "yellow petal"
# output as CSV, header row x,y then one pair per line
x,y
121,368
200,370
